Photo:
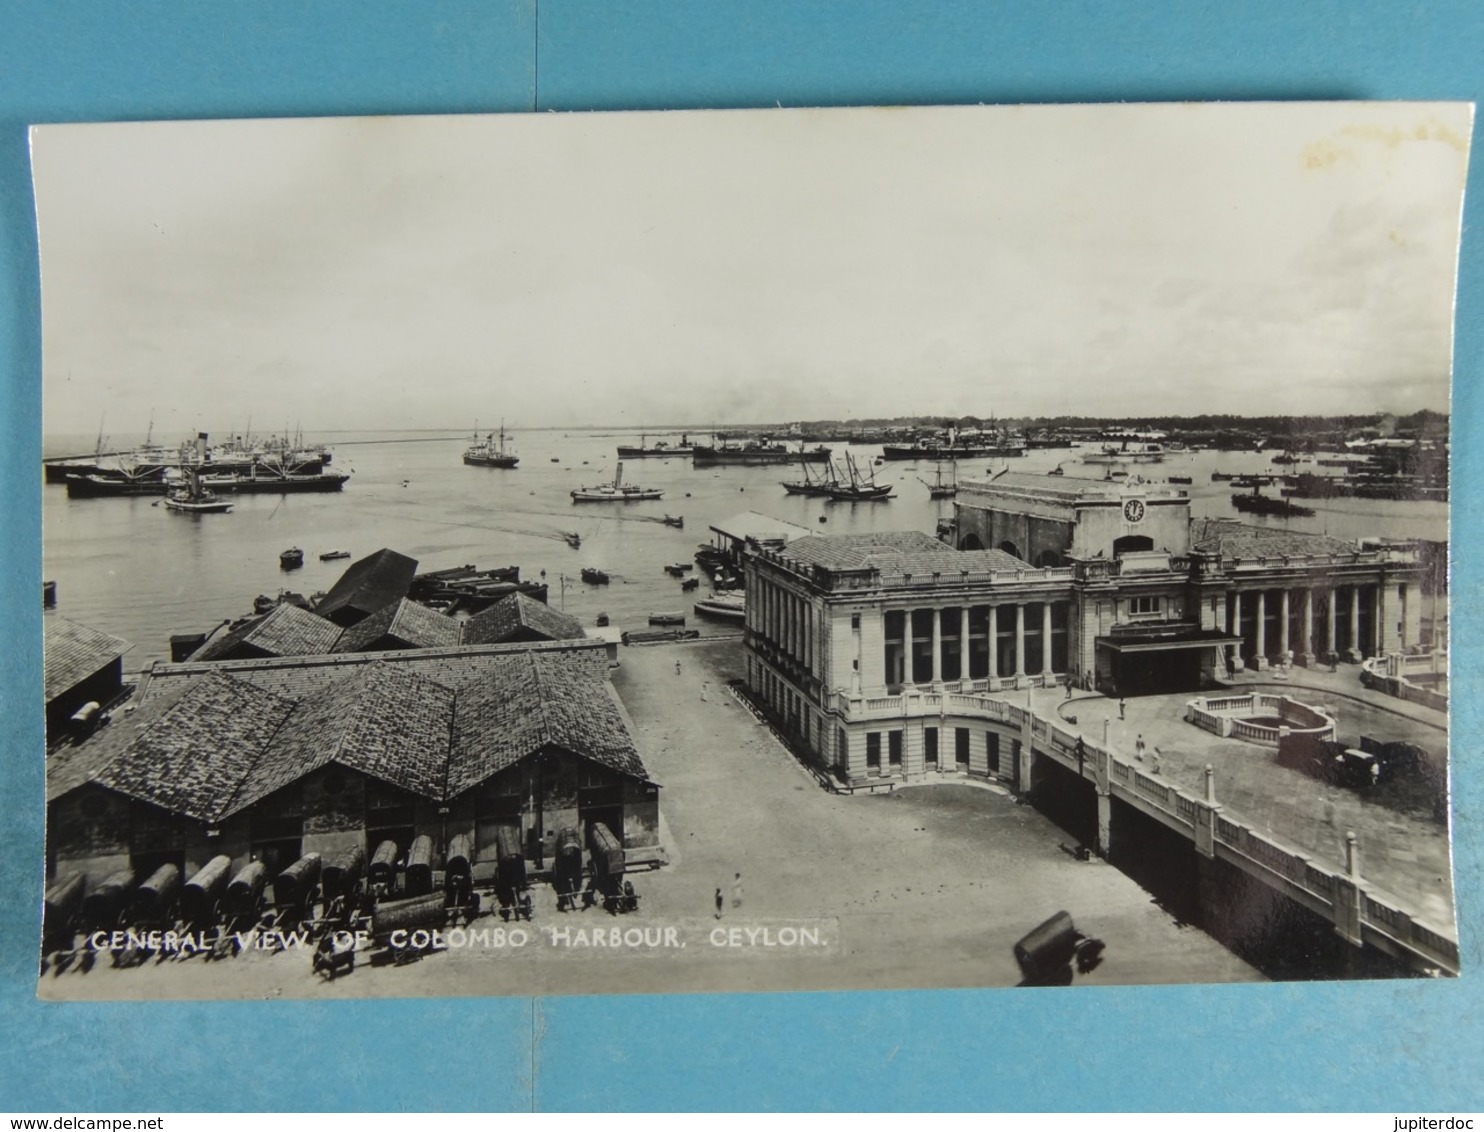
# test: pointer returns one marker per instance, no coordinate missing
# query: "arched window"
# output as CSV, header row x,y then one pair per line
x,y
1010,548
971,541
1048,558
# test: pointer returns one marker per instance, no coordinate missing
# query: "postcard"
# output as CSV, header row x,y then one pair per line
x,y
748,550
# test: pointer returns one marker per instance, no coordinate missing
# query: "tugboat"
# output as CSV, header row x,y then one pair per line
x,y
617,491
1260,504
574,540
291,559
487,453
191,498
594,577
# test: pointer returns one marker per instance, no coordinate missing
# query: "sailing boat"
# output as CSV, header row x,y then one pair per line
x,y
811,486
860,489
488,454
194,499
941,488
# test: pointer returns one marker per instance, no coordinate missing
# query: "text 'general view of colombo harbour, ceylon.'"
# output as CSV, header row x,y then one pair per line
x,y
1099,636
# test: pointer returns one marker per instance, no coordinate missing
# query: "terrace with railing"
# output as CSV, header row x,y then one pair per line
x,y
1259,718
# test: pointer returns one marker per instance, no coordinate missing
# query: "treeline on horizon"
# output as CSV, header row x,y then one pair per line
x,y
1424,420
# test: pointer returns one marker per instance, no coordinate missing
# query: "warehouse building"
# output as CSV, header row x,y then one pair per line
x,y
271,758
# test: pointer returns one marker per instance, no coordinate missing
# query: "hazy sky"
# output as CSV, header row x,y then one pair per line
x,y
559,269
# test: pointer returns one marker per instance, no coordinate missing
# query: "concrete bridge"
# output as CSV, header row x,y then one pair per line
x,y
1362,913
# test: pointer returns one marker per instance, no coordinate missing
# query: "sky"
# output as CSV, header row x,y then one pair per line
x,y
725,267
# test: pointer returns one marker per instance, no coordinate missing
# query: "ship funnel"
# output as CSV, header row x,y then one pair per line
x,y
200,448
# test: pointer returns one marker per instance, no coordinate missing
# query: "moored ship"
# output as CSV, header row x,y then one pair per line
x,y
956,446
489,452
755,453
645,451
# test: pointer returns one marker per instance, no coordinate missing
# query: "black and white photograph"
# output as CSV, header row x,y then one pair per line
x,y
756,550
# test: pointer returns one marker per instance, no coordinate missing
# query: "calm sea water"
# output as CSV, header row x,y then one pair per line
x,y
141,572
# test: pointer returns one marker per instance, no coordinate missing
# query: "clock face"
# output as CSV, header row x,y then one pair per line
x,y
1133,510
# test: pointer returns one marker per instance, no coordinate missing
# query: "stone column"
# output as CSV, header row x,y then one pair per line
x,y
1105,797
1237,663
1306,629
1334,614
1353,653
963,644
1045,638
1260,661
1019,640
994,644
1283,614
937,646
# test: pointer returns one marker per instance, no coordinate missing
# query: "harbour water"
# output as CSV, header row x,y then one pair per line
x,y
131,568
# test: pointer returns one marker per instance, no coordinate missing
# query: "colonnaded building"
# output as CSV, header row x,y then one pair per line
x,y
876,651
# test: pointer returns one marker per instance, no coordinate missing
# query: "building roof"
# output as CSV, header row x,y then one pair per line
x,y
510,615
896,552
385,722
528,703
73,652
369,584
1063,489
1231,539
188,752
287,631
210,746
763,528
414,625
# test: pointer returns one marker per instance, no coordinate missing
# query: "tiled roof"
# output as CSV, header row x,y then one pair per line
x,y
187,753
287,631
369,584
1061,489
1232,539
406,621
74,652
511,614
212,745
896,552
525,704
385,722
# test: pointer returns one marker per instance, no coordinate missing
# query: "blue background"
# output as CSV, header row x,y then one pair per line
x,y
1382,1046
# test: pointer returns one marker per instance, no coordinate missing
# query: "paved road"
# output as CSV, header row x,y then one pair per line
x,y
1403,850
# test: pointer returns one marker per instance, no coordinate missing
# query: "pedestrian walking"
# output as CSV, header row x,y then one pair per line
x,y
1120,708
737,891
677,668
1139,749
720,903
1069,688
1154,761
703,691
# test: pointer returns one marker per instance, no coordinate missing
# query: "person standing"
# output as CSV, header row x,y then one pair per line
x,y
1139,749
737,891
1120,708
719,903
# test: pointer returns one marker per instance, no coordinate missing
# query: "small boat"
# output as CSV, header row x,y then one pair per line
x,y
574,540
1181,479
728,607
601,621
264,604
556,459
617,491
675,618
677,521
676,569
690,584
334,555
594,577
291,559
